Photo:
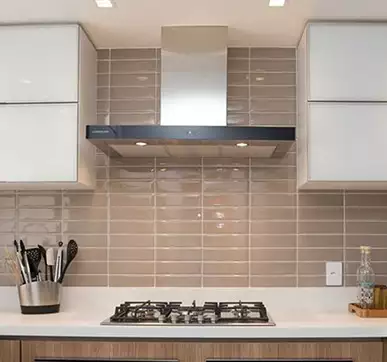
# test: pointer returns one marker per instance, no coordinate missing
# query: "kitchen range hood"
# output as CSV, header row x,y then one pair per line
x,y
193,107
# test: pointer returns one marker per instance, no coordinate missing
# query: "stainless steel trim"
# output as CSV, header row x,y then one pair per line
x,y
38,294
194,75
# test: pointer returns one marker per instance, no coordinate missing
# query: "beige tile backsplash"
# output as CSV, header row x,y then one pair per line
x,y
200,222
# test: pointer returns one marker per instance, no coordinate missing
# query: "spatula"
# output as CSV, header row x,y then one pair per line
x,y
51,262
72,251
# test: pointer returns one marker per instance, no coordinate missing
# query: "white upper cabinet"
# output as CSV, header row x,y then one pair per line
x,y
346,61
346,143
39,63
47,97
43,139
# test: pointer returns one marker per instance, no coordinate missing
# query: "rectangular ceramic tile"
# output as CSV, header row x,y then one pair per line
x,y
366,213
311,268
366,200
92,254
185,281
273,255
289,159
318,213
140,53
238,91
272,65
273,227
40,227
280,79
226,281
226,227
320,200
192,173
226,268
131,80
85,227
320,241
103,54
237,105
87,241
226,213
279,281
225,162
85,200
273,187
120,93
136,66
269,268
132,241
273,53
171,268
132,118
147,162
103,80
273,92
8,213
132,213
178,213
320,227
230,254
91,267
225,241
328,254
178,186
238,119
232,186
174,254
363,227
181,161
134,227
237,53
134,267
273,213
32,200
131,254
224,199
178,241
273,241
86,213
132,200
185,200
72,280
311,281
273,200
103,67
273,173
179,227
36,214
375,241
226,173
272,119
132,186
131,281
133,105
237,65
125,172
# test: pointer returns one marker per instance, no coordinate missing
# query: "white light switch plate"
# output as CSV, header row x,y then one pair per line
x,y
334,273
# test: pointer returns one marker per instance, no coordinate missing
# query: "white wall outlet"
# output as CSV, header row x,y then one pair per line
x,y
334,273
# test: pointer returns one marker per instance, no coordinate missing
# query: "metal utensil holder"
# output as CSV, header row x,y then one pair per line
x,y
39,297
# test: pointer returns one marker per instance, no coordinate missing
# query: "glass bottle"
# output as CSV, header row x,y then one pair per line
x,y
365,279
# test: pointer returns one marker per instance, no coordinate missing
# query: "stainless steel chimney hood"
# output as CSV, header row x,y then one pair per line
x,y
193,107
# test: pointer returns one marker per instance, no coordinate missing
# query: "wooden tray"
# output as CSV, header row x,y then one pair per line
x,y
367,313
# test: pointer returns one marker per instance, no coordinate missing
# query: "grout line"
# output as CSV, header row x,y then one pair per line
x,y
344,238
107,159
202,220
154,193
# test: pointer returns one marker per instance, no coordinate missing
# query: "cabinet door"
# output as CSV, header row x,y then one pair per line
x,y
38,143
38,63
347,62
347,142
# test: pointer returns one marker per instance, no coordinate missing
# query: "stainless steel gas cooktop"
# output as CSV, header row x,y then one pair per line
x,y
175,313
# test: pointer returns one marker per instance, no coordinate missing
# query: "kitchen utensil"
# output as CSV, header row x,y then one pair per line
x,y
72,251
20,262
58,264
12,265
25,261
43,251
34,256
39,297
50,262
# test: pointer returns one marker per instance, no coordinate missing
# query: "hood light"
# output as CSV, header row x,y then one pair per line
x,y
241,145
141,144
276,3
104,3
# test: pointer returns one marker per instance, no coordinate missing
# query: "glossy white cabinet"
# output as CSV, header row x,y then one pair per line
x,y
43,123
39,63
346,61
344,146
43,139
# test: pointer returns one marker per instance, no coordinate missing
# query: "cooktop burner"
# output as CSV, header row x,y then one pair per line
x,y
175,313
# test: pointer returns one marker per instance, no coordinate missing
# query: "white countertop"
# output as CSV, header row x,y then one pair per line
x,y
307,313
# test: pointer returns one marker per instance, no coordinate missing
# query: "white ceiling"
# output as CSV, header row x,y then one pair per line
x,y
137,23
